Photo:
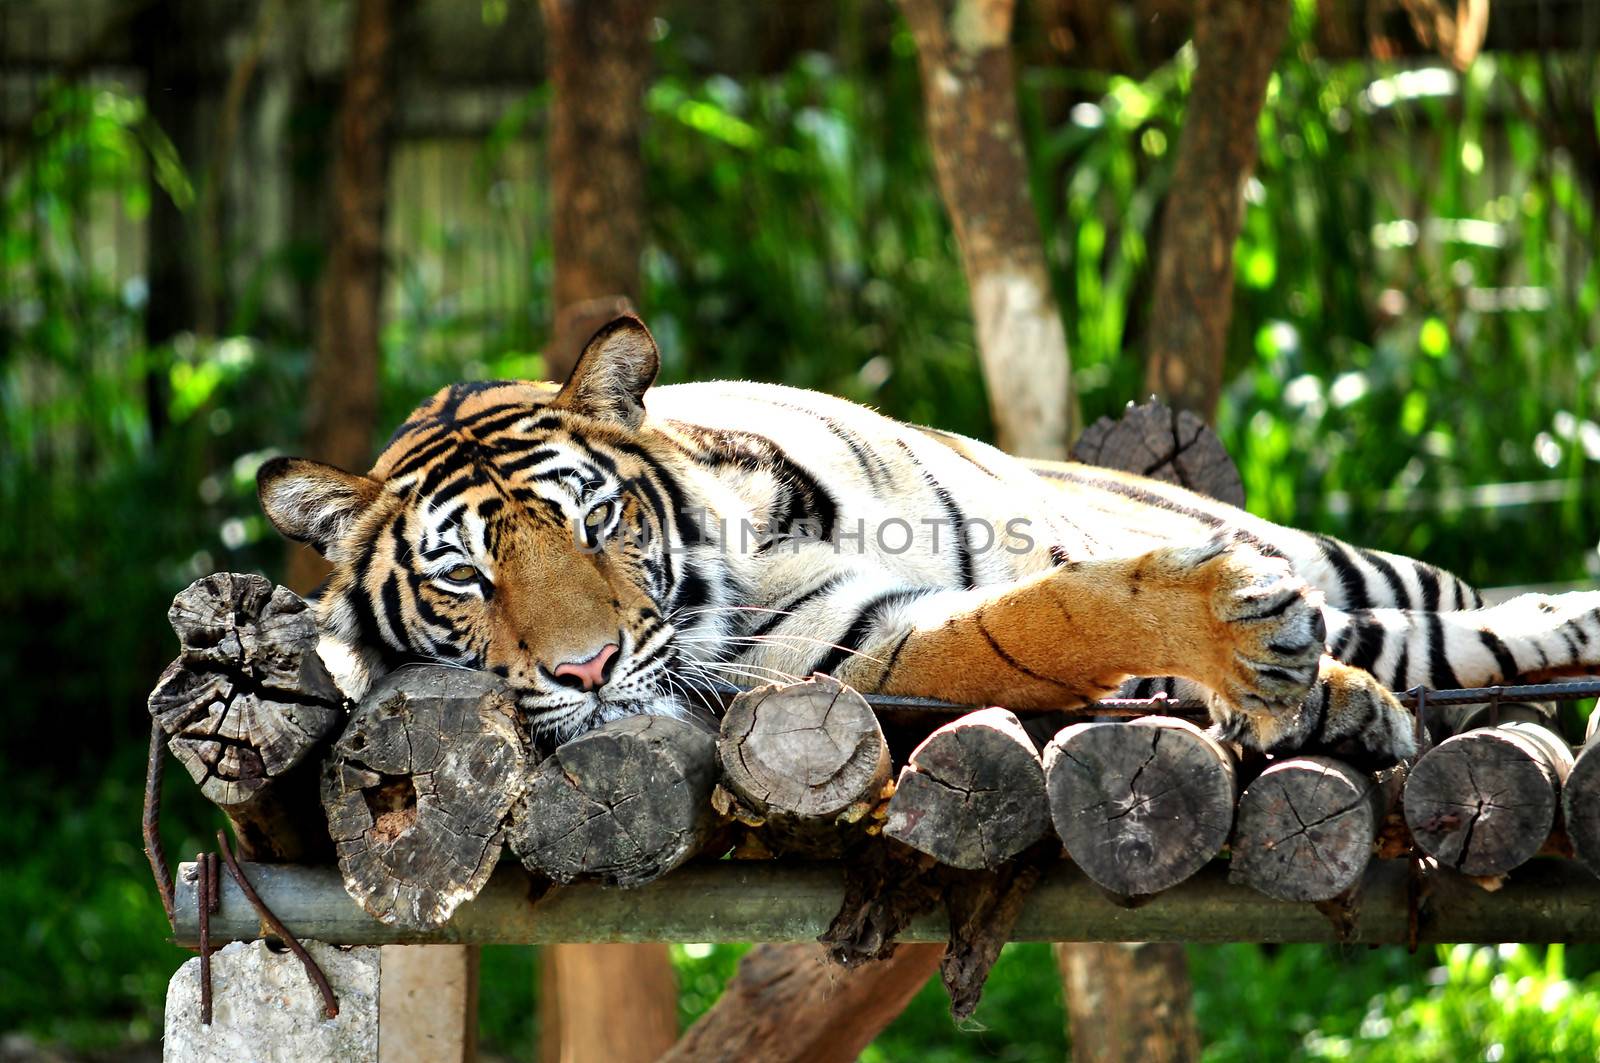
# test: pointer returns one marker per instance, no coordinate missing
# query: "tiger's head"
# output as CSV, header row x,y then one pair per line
x,y
537,532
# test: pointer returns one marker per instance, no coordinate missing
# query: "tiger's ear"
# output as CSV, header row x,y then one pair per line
x,y
617,367
310,502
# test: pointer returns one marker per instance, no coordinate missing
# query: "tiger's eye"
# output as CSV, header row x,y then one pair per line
x,y
462,574
599,516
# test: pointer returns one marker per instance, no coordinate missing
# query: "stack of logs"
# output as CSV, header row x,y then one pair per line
x,y
431,776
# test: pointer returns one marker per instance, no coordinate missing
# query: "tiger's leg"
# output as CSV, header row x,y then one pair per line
x,y
1221,613
1533,636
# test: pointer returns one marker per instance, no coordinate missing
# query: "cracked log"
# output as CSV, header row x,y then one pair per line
x,y
1484,802
802,760
1305,828
245,705
1154,440
418,789
972,794
1141,805
625,803
1580,799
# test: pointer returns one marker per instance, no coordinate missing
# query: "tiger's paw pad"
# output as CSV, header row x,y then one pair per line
x,y
1268,622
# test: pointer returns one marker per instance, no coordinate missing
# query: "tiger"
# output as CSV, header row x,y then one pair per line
x,y
610,548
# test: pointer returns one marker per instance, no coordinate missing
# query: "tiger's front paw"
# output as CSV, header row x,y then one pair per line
x,y
1267,629
1347,713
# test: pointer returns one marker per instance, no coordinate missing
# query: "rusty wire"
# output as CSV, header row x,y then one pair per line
x,y
205,869
1416,697
152,822
330,1003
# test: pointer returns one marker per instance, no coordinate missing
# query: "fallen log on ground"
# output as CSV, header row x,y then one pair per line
x,y
1305,827
731,901
246,705
624,803
418,788
803,760
972,794
1484,802
1140,806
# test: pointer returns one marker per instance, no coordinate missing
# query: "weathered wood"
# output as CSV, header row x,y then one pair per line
x,y
1141,806
1154,440
1145,985
418,789
1580,799
972,794
787,1005
245,704
1483,802
626,802
730,901
1305,827
802,758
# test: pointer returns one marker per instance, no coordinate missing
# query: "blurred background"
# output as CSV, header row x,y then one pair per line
x,y
1410,363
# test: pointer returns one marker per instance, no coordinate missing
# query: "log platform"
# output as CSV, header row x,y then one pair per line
x,y
1305,827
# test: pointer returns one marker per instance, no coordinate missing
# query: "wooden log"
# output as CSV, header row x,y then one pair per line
x,y
1483,802
1580,799
625,803
1154,440
1143,805
972,794
801,759
787,1005
1305,827
245,705
731,901
418,789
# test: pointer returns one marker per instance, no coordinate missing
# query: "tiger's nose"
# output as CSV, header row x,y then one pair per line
x,y
587,675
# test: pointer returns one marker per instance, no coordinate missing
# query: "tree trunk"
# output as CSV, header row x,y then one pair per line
x,y
599,55
617,1003
1128,1002
969,93
342,399
787,1004
1237,43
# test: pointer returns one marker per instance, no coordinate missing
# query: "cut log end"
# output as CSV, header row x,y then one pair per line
x,y
1305,829
247,698
418,789
1580,801
624,803
972,795
805,750
1484,802
1156,441
1141,806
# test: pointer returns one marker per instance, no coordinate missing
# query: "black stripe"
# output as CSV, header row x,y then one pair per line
x,y
1369,647
1502,654
867,615
1350,579
1397,587
894,658
1440,675
1133,491
1428,576
780,615
1000,651
1402,667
